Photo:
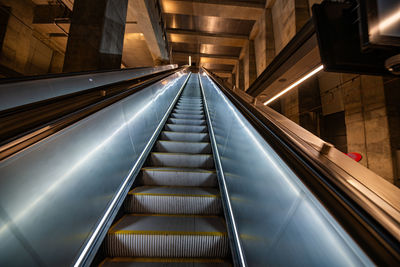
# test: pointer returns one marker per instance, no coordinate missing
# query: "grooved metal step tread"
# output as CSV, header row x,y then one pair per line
x,y
164,262
166,224
175,191
184,136
181,160
187,116
172,236
183,147
173,200
188,108
186,128
187,121
188,112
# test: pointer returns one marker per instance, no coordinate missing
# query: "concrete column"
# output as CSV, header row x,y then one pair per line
x,y
367,127
302,13
250,65
392,96
310,106
241,74
269,37
290,105
96,35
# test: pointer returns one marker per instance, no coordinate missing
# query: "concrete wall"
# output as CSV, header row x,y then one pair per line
x,y
357,113
284,23
367,123
25,50
392,97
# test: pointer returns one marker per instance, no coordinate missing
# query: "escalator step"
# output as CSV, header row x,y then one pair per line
x,y
151,235
173,200
186,128
186,121
188,112
182,136
183,147
162,159
189,108
179,177
164,262
187,116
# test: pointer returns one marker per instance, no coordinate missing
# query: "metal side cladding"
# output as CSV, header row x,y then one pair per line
x,y
279,222
54,194
173,214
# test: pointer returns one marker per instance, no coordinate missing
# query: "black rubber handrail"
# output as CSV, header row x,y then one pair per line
x,y
378,243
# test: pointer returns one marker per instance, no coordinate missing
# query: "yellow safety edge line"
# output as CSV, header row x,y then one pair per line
x,y
182,170
173,195
116,223
183,142
172,215
186,125
148,232
172,186
185,132
196,260
177,153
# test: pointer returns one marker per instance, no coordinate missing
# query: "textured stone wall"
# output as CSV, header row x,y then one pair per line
x,y
24,49
367,125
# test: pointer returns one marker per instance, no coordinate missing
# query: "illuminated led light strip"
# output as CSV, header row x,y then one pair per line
x,y
309,75
218,162
386,23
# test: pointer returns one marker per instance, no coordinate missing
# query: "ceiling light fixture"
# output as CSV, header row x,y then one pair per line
x,y
293,85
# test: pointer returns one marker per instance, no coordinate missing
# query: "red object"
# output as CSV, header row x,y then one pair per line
x,y
354,155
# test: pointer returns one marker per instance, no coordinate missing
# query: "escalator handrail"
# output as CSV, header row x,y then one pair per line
x,y
374,225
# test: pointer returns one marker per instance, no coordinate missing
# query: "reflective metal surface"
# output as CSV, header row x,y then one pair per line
x,y
278,220
53,194
26,92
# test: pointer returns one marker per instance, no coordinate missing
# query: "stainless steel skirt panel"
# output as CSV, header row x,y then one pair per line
x,y
278,220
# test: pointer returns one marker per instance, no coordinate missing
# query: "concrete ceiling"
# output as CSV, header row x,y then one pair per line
x,y
212,32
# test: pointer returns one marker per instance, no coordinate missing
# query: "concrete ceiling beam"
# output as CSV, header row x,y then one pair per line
x,y
224,61
151,29
204,55
208,34
196,39
224,9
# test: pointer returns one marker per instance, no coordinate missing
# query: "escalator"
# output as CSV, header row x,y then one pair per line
x,y
173,215
180,171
